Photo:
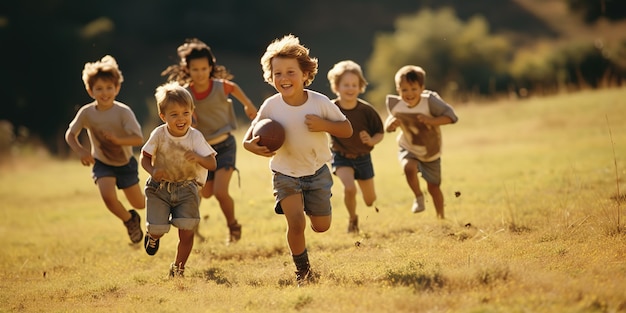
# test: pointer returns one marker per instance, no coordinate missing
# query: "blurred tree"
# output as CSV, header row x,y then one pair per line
x,y
459,58
592,10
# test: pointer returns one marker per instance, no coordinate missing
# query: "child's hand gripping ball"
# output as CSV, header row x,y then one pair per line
x,y
271,132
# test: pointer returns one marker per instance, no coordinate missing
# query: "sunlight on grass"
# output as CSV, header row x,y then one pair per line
x,y
532,226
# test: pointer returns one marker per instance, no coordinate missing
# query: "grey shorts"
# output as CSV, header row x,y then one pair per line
x,y
171,204
431,171
125,175
315,190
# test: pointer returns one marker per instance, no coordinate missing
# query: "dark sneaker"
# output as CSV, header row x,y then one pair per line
x,y
133,226
234,232
306,277
176,271
353,225
151,245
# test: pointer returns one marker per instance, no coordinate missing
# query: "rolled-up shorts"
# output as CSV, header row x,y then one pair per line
x,y
362,165
171,203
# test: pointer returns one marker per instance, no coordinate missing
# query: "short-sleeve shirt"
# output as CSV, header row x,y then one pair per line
x,y
303,151
118,119
363,117
168,154
422,140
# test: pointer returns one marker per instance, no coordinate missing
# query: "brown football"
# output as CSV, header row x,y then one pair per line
x,y
271,132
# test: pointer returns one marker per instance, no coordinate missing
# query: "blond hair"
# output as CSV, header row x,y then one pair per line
x,y
289,47
347,66
172,93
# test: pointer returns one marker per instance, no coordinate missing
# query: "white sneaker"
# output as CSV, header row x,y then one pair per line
x,y
418,205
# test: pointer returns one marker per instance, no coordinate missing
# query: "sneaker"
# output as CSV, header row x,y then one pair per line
x,y
133,226
306,277
176,271
151,244
418,205
235,232
353,225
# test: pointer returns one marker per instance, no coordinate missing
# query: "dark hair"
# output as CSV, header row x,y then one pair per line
x,y
193,49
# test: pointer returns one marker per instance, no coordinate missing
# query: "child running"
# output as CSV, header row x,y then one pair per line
x,y
351,156
113,130
301,179
210,87
419,113
177,158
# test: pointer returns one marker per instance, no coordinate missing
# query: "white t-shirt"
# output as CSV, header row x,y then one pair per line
x,y
168,153
303,151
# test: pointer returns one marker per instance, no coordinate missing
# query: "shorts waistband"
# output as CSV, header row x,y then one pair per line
x,y
218,140
351,155
169,185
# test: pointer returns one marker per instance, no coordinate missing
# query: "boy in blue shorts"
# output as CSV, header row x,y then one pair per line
x,y
351,156
113,131
419,113
301,179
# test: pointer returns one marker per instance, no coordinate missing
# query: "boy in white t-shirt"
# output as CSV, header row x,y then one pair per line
x,y
178,159
301,178
419,113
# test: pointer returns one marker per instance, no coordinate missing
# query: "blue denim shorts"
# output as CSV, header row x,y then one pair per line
x,y
431,171
125,175
362,165
171,204
315,190
226,155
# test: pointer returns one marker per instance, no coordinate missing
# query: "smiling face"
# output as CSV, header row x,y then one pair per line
x,y
177,116
200,71
349,87
104,92
410,92
288,79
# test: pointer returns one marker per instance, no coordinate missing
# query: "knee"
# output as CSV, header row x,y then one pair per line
x,y
369,201
349,191
319,228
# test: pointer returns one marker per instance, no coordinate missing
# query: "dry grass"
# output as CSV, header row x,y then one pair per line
x,y
533,230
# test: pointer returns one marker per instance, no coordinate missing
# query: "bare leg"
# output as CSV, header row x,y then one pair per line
x,y
437,195
185,244
135,196
296,222
410,172
346,175
108,192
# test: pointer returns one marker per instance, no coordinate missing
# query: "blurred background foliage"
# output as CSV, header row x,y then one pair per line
x,y
476,51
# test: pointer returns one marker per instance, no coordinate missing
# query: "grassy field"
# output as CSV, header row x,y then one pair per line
x,y
538,227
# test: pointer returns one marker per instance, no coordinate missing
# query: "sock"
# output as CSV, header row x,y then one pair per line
x,y
301,261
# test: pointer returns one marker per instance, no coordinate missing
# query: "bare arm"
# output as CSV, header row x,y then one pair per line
x,y
341,129
252,144
209,162
391,123
130,140
371,140
434,121
248,106
84,154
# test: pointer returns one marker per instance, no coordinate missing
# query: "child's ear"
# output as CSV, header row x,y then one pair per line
x,y
162,116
